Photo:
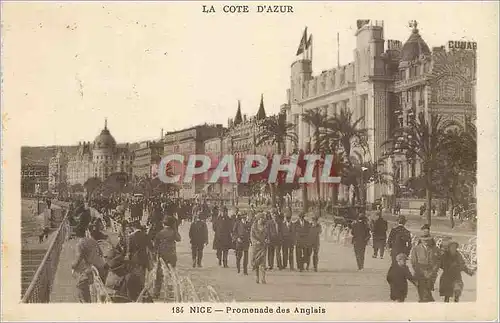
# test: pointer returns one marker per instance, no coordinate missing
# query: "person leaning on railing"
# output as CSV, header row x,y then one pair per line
x,y
121,280
88,254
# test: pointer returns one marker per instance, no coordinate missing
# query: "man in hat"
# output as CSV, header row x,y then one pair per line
x,y
360,236
139,243
274,247
288,240
313,248
399,240
379,232
301,228
241,237
222,237
425,263
198,235
426,232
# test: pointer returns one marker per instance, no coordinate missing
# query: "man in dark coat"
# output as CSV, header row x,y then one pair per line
x,y
222,237
241,236
399,240
288,240
215,212
379,233
301,228
360,237
84,219
274,247
139,243
313,244
198,235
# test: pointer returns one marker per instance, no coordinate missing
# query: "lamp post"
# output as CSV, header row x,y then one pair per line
x,y
37,193
363,169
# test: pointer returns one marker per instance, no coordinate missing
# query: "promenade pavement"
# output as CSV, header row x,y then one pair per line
x,y
337,280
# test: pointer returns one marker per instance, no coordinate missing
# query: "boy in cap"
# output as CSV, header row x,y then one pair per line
x,y
397,277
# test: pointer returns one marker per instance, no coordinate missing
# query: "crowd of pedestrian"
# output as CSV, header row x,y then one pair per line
x,y
262,240
426,258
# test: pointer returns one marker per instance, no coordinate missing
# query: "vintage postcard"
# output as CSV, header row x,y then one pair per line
x,y
249,161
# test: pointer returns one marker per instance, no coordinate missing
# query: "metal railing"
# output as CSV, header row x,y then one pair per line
x,y
43,280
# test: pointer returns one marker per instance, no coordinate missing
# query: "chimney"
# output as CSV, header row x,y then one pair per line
x,y
244,118
161,136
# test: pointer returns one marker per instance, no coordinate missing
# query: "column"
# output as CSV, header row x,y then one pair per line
x,y
341,192
324,110
330,110
302,133
418,168
306,132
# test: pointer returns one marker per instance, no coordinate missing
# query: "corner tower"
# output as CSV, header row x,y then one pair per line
x,y
369,50
301,73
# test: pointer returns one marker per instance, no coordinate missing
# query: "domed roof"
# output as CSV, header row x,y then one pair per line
x,y
415,46
105,139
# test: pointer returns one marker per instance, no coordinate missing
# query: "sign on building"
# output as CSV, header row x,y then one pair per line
x,y
460,44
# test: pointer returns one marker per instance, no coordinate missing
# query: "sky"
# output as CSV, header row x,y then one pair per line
x,y
147,66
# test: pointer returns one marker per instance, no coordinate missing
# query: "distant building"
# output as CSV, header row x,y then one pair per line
x,y
100,159
58,171
241,140
187,142
214,149
34,179
146,159
386,86
80,166
438,82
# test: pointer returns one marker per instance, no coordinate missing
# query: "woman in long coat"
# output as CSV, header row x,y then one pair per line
x,y
452,264
222,237
260,242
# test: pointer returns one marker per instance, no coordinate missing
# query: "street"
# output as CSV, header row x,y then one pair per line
x,y
337,278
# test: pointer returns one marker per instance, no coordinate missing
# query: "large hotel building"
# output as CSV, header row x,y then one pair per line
x,y
387,84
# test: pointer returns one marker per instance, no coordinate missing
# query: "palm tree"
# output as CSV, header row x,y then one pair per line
x,y
319,122
456,175
367,173
276,131
331,146
346,134
423,140
91,185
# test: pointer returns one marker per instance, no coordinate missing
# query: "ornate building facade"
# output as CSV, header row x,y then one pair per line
x,y
34,179
188,142
80,165
435,82
99,159
385,84
146,159
241,140
58,166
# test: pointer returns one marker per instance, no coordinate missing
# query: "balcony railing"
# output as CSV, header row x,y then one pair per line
x,y
41,285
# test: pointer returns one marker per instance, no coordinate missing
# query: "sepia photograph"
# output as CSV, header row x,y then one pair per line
x,y
249,160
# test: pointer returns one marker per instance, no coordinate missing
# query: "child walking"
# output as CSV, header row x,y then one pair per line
x,y
398,277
